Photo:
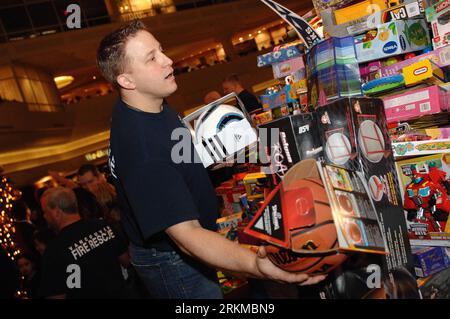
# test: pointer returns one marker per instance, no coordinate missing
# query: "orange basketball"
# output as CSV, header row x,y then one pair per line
x,y
314,247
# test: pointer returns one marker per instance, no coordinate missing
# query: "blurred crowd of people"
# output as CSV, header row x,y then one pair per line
x,y
46,237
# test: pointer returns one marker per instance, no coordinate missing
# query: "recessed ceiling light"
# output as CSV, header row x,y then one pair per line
x,y
63,81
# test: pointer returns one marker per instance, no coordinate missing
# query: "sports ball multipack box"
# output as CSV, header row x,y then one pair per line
x,y
416,103
311,219
354,135
286,141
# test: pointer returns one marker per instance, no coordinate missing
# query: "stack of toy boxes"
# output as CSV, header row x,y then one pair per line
x,y
287,63
341,18
332,71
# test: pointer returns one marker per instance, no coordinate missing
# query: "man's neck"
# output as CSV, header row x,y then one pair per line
x,y
143,103
239,90
69,220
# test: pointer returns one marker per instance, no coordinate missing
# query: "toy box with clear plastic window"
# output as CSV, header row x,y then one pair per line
x,y
222,132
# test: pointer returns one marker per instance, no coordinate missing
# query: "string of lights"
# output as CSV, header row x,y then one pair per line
x,y
7,196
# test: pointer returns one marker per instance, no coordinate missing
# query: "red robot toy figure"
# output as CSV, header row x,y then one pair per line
x,y
438,176
426,200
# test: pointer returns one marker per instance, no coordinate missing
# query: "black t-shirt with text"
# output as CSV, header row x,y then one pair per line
x,y
82,262
155,189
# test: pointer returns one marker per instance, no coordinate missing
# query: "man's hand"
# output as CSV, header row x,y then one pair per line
x,y
269,270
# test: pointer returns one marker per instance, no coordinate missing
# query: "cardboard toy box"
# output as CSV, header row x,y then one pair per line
x,y
254,185
368,17
280,55
391,39
415,103
437,15
436,286
286,68
263,117
354,135
332,71
286,141
436,169
440,57
430,260
229,221
290,210
230,194
218,140
277,99
440,161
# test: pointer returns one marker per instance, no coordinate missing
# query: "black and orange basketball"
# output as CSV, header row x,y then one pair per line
x,y
314,245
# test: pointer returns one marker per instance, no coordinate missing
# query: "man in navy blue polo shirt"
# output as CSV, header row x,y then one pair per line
x,y
169,208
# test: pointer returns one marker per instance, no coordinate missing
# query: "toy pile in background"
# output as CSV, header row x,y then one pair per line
x,y
403,52
368,105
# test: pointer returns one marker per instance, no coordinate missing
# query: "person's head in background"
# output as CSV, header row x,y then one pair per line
x,y
21,211
401,284
26,265
89,177
60,207
232,84
211,97
88,205
42,238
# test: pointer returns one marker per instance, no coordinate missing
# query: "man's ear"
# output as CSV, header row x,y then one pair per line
x,y
125,81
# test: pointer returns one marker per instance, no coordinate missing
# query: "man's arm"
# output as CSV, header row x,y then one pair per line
x,y
124,259
65,182
222,253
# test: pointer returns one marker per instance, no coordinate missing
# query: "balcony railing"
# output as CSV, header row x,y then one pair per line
x,y
24,31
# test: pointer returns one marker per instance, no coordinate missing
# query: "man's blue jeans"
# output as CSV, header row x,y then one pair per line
x,y
167,275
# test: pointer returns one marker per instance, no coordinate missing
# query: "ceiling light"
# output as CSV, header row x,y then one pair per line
x,y
63,81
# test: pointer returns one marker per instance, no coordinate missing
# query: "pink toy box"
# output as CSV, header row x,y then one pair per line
x,y
415,103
